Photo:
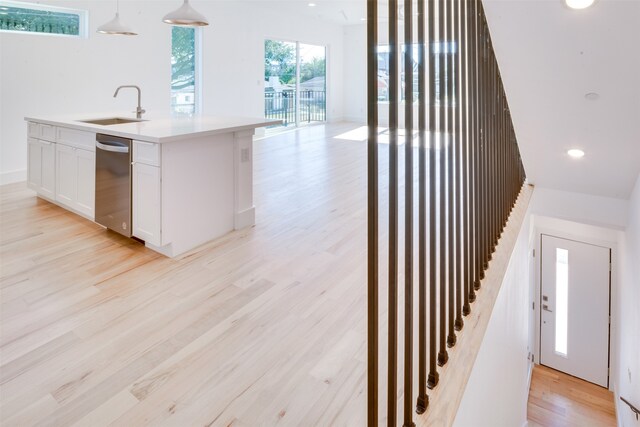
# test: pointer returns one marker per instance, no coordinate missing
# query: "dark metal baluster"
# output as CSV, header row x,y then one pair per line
x,y
460,173
372,213
432,380
451,183
408,216
467,164
423,399
483,147
442,354
477,233
392,403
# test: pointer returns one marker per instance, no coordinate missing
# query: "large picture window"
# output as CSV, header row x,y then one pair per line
x,y
21,17
184,54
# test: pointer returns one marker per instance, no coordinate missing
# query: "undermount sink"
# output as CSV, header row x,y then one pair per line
x,y
112,121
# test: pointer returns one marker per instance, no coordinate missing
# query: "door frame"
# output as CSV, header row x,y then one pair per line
x,y
590,234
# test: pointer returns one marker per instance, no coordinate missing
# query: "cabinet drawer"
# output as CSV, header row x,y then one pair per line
x,y
147,153
47,132
77,138
41,131
33,130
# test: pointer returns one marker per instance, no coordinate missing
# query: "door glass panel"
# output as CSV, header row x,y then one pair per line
x,y
562,300
312,83
280,81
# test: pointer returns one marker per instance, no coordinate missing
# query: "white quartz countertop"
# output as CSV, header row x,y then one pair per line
x,y
160,129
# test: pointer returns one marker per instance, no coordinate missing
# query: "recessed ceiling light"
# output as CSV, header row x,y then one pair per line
x,y
579,4
576,153
312,5
592,96
363,19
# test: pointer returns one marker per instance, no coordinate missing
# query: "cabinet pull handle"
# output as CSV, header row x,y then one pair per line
x,y
113,148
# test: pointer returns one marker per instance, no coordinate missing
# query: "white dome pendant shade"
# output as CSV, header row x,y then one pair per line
x,y
115,26
185,16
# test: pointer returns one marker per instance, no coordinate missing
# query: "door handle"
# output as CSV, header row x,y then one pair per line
x,y
545,307
113,148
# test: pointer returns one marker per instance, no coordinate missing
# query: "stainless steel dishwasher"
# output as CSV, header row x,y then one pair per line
x,y
113,183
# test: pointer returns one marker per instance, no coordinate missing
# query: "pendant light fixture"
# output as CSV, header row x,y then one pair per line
x,y
185,16
115,26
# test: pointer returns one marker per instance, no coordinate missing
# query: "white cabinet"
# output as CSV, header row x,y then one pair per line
x,y
75,179
34,167
41,167
65,175
86,181
146,203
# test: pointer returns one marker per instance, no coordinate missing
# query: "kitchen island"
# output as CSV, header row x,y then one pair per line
x,y
192,179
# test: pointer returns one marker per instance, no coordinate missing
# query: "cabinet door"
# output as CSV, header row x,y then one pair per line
x,y
86,182
66,173
146,203
48,170
34,170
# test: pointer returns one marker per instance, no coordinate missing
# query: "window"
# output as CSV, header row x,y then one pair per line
x,y
183,71
562,300
295,84
22,17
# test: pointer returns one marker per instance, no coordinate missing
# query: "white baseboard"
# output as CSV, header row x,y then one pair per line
x,y
10,177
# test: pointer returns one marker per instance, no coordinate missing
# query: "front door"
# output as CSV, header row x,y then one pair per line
x,y
574,324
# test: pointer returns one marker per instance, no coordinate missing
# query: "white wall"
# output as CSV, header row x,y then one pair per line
x,y
497,391
43,76
355,66
627,305
584,208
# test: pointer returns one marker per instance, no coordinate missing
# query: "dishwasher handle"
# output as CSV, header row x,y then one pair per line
x,y
112,148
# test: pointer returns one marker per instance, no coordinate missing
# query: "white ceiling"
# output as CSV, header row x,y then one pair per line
x,y
341,12
551,56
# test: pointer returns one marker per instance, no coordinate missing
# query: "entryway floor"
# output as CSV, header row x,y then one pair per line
x,y
557,399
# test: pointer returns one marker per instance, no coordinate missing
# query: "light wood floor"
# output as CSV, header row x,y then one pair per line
x,y
265,326
558,400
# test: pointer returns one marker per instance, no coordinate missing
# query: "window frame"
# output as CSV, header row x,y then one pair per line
x,y
83,18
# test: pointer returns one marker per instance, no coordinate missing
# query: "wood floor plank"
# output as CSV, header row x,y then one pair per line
x,y
558,399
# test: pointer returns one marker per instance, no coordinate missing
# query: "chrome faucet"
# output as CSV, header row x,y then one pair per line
x,y
139,110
